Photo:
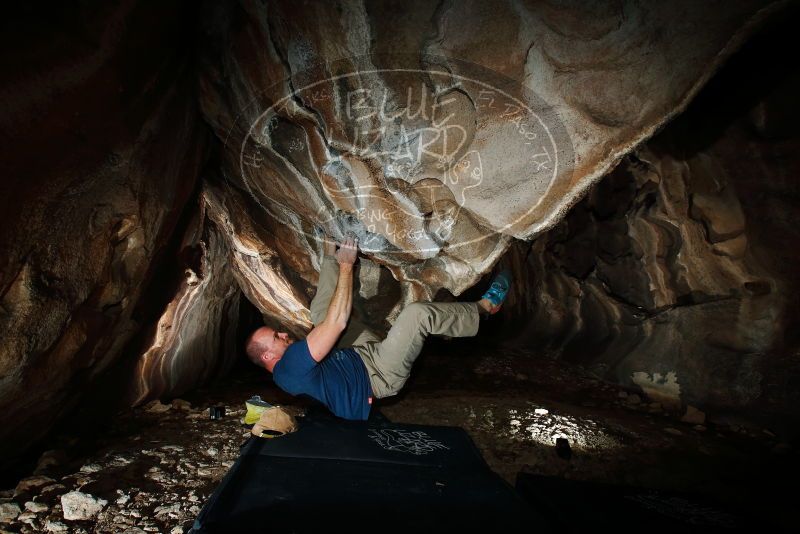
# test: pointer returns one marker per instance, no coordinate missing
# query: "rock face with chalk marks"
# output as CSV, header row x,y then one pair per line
x,y
350,117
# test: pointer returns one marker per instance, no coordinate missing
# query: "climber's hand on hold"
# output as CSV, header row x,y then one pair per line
x,y
348,251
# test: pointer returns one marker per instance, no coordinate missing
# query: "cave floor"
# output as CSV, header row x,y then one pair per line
x,y
156,465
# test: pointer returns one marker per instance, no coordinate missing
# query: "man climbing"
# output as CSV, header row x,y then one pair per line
x,y
346,378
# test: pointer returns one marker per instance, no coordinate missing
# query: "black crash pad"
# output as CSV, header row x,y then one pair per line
x,y
363,476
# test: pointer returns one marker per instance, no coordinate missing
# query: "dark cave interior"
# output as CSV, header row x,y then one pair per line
x,y
651,321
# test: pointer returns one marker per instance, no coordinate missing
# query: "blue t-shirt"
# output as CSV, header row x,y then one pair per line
x,y
339,381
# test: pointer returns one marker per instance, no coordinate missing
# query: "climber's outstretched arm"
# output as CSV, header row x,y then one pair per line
x,y
324,336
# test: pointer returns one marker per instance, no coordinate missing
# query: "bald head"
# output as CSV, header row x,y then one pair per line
x,y
265,347
256,346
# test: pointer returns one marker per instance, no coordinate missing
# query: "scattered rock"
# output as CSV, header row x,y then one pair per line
x,y
622,394
51,490
156,407
9,511
55,526
27,517
699,428
120,460
673,431
182,405
90,468
156,474
693,416
49,460
82,481
123,499
81,506
29,485
167,510
36,507
633,399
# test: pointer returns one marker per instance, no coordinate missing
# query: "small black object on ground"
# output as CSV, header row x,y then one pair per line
x,y
563,449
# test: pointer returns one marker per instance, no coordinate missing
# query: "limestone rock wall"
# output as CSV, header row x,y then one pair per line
x,y
438,132
678,272
655,288
102,146
194,339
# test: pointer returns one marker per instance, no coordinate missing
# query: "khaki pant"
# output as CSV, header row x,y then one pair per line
x,y
389,361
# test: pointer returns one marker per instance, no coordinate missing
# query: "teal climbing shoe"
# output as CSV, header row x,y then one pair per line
x,y
498,291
